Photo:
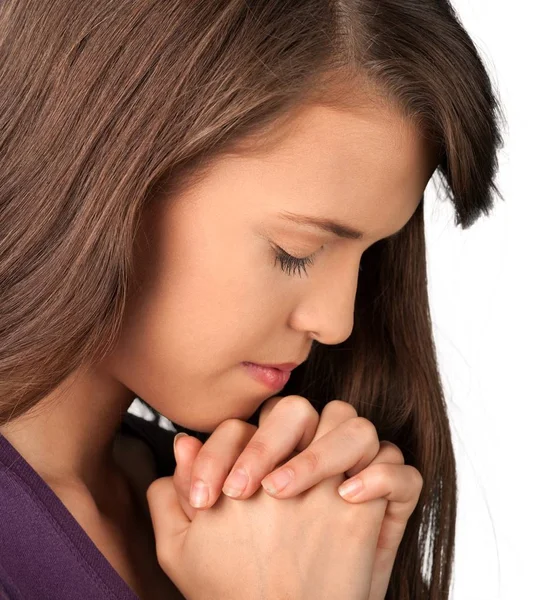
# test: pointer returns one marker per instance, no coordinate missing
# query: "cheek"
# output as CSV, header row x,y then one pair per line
x,y
190,322
223,299
182,346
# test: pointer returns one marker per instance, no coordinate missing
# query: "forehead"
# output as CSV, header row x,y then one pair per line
x,y
366,165
376,142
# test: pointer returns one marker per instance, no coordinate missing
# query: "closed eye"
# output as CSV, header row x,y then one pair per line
x,y
290,264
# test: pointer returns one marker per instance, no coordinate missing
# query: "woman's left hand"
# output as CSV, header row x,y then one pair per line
x,y
313,448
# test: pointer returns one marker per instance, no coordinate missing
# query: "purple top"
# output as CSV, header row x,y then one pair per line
x,y
45,554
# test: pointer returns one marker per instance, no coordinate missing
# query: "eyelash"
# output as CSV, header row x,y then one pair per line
x,y
289,264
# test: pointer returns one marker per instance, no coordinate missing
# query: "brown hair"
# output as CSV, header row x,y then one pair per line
x,y
106,105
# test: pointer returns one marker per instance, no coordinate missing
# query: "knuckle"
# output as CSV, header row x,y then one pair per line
x,y
311,460
205,462
272,401
181,484
391,452
382,474
417,479
256,447
153,489
296,403
362,427
268,406
164,554
232,427
341,408
296,409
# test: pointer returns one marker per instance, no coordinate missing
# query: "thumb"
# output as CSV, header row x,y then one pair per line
x,y
170,511
170,522
185,453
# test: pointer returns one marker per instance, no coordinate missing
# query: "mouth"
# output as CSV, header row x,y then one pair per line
x,y
288,367
270,375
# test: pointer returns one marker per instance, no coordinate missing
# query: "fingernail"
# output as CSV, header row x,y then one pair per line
x,y
278,481
178,435
350,488
236,483
199,495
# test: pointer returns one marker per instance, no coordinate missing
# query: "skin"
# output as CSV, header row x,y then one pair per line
x,y
209,295
335,442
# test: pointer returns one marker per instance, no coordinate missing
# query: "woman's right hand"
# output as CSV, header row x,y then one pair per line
x,y
314,546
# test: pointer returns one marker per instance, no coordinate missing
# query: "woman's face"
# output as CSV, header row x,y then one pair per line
x,y
211,293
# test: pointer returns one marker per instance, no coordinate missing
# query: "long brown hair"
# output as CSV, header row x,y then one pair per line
x,y
107,105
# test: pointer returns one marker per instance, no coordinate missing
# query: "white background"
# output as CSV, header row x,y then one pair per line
x,y
493,300
493,296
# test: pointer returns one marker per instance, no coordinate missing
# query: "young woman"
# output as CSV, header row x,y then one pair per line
x,y
189,189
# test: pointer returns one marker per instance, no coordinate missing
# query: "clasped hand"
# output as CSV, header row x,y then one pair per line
x,y
293,449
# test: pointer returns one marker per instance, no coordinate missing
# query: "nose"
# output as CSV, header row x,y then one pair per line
x,y
326,311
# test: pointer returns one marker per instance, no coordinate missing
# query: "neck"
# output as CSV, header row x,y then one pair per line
x,y
68,437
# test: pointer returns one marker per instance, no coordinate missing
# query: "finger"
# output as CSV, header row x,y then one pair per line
x,y
170,522
397,513
401,485
309,434
289,426
215,460
388,452
333,414
186,449
353,442
267,407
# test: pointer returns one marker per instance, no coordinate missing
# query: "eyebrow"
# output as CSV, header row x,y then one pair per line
x,y
329,225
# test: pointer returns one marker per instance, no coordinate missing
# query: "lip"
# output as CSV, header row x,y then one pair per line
x,y
272,377
281,367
